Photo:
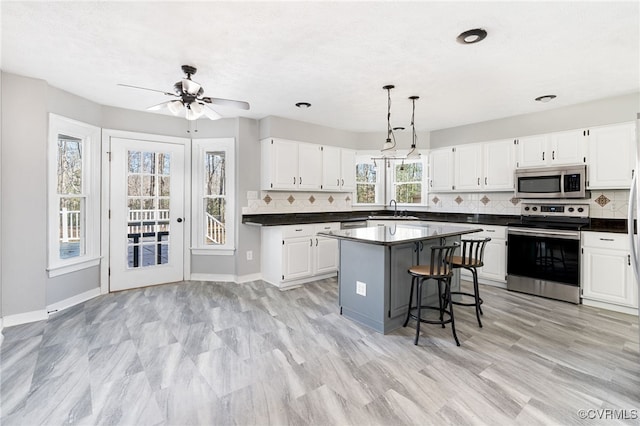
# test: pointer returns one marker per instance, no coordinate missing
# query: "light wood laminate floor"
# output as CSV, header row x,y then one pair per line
x,y
249,354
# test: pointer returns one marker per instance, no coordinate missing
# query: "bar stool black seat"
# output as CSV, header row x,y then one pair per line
x,y
471,258
440,270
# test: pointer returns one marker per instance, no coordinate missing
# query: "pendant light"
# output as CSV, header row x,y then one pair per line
x,y
413,153
390,143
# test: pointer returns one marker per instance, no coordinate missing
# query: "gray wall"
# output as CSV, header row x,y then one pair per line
x,y
604,111
24,194
374,140
278,127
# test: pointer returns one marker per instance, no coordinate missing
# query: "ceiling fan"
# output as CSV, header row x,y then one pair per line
x,y
188,97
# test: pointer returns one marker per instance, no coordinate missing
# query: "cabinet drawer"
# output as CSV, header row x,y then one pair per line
x,y
492,231
326,227
293,231
605,240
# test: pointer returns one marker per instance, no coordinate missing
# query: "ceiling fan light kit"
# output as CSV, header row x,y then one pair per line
x,y
190,100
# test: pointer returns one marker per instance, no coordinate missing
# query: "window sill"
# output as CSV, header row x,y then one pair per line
x,y
56,271
213,251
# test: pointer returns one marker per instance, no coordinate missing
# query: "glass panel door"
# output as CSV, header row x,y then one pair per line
x,y
147,229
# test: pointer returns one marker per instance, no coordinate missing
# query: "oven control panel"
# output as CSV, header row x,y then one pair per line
x,y
555,210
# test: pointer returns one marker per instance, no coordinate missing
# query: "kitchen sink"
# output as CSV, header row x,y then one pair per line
x,y
393,218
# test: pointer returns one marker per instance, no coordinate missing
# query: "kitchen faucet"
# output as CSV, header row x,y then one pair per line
x,y
395,207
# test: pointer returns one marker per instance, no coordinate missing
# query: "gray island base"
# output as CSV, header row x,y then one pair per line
x,y
373,280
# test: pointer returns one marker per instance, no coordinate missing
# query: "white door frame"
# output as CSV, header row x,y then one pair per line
x,y
105,227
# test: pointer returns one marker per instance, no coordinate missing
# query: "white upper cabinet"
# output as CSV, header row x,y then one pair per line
x,y
279,164
612,154
568,147
309,166
467,161
348,167
499,164
331,168
291,165
441,170
531,151
557,148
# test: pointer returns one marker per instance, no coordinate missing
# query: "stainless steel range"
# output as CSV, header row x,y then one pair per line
x,y
544,250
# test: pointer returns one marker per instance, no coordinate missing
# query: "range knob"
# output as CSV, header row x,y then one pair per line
x,y
580,209
526,209
535,209
571,209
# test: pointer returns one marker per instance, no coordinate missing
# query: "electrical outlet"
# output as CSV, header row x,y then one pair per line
x,y
249,254
361,288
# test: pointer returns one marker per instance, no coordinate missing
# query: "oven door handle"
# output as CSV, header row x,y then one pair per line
x,y
565,235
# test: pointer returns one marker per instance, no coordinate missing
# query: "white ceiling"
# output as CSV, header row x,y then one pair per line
x,y
335,55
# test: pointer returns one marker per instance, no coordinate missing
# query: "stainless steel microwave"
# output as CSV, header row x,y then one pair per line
x,y
552,182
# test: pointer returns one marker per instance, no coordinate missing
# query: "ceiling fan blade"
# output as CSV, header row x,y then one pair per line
x,y
211,114
145,88
226,102
159,106
190,86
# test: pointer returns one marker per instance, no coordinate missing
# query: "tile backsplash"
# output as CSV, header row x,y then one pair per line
x,y
602,204
298,202
611,204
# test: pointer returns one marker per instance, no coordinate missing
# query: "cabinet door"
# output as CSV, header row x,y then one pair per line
x,y
331,168
403,257
296,258
531,151
441,169
499,165
568,147
612,156
284,164
326,255
495,256
309,166
348,170
607,277
467,160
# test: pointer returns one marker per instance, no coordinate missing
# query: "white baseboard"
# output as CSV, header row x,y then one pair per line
x,y
226,278
297,283
1,335
248,278
72,301
25,317
610,307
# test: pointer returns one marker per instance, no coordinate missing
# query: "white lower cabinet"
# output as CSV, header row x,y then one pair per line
x,y
294,254
494,271
607,274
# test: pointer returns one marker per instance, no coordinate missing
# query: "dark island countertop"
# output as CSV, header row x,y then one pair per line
x,y
398,234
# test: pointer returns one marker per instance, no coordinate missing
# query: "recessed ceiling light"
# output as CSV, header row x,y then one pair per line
x,y
545,98
472,36
304,105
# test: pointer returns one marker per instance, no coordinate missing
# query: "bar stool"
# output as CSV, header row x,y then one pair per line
x,y
472,255
440,270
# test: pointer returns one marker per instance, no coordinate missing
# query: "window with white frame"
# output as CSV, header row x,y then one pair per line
x,y
213,196
74,195
368,181
407,181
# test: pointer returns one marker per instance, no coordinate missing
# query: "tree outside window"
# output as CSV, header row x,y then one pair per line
x,y
408,182
366,183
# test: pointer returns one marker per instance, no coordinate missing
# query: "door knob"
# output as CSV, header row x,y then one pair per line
x,y
179,220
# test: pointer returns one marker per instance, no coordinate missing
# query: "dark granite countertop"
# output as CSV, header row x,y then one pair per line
x,y
275,219
398,234
278,219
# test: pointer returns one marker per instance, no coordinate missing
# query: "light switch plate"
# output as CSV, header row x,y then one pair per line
x,y
361,288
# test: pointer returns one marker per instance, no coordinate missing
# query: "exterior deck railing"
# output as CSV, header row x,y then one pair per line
x,y
216,233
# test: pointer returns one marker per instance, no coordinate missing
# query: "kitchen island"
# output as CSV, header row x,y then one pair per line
x,y
373,280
